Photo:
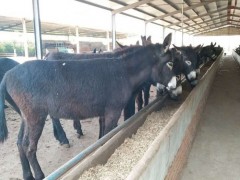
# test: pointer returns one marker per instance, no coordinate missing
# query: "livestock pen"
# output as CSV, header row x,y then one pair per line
x,y
161,135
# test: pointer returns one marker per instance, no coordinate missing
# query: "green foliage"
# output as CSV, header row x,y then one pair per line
x,y
8,47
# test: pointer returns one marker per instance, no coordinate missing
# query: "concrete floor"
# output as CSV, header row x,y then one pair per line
x,y
215,153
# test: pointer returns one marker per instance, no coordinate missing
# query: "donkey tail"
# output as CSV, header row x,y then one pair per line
x,y
3,124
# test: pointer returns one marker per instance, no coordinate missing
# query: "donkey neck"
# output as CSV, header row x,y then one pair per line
x,y
139,65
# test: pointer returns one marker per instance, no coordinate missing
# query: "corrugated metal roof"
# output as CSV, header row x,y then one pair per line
x,y
13,24
199,16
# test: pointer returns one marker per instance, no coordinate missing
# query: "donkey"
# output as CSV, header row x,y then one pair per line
x,y
129,110
190,65
77,89
59,133
147,85
185,61
5,65
207,52
145,88
218,50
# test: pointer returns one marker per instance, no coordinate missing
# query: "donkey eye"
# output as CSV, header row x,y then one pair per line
x,y
188,62
170,65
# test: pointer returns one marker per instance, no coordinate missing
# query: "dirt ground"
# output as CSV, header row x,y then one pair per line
x,y
50,153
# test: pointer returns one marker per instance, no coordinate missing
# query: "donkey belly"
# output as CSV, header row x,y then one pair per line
x,y
76,110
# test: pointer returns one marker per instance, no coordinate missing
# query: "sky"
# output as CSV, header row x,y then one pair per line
x,y
79,14
59,11
71,12
68,12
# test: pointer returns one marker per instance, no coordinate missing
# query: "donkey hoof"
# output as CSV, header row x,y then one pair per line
x,y
79,135
65,145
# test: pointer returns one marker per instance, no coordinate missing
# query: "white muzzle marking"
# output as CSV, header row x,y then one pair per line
x,y
198,71
177,91
192,75
172,84
160,87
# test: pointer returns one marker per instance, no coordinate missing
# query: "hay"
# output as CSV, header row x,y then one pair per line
x,y
130,152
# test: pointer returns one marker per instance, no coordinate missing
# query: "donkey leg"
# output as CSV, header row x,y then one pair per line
x,y
35,128
146,91
59,133
101,126
139,100
111,119
27,174
129,109
78,127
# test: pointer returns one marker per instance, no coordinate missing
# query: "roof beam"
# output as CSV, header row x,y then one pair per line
x,y
13,25
160,10
130,6
179,11
187,2
205,22
209,26
140,10
196,17
219,27
56,29
210,20
206,28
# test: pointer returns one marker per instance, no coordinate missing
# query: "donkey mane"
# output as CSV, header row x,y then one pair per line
x,y
129,52
118,54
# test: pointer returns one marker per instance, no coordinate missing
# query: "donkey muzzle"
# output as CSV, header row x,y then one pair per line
x,y
172,84
175,93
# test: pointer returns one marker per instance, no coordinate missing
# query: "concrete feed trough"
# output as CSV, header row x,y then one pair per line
x,y
167,151
236,56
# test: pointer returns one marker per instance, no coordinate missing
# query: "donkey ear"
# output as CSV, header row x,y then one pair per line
x,y
178,49
144,41
120,45
143,38
198,48
167,42
137,43
149,38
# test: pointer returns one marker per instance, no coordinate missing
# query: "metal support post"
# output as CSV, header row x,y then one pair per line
x,y
37,29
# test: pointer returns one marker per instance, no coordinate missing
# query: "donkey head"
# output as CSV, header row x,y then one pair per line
x,y
213,50
189,62
163,72
176,68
